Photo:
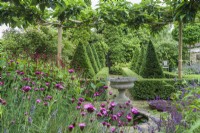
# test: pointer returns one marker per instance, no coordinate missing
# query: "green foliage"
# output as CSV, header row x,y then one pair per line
x,y
151,67
32,41
96,57
116,70
129,73
101,49
82,61
191,33
92,58
140,61
102,74
151,88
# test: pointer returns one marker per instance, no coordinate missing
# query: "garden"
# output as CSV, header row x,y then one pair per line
x,y
68,66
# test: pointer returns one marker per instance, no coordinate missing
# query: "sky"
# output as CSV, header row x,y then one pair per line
x,y
94,2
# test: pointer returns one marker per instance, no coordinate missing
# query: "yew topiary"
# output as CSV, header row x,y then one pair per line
x,y
81,61
151,67
92,59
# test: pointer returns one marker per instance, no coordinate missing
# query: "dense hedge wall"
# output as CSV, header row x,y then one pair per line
x,y
92,59
146,89
82,61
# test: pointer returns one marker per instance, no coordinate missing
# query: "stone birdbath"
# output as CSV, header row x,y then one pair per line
x,y
122,84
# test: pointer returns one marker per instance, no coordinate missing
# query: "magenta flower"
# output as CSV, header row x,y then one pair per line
x,y
37,72
99,114
112,130
103,111
103,105
96,94
38,101
36,89
134,110
42,89
71,70
81,99
129,117
83,113
26,88
82,126
45,103
89,107
78,107
47,83
48,97
110,93
105,87
114,117
1,83
59,86
112,104
71,127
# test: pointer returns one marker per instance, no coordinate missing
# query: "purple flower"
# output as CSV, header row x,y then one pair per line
x,y
42,89
103,105
36,89
112,130
37,73
114,117
134,110
96,94
99,114
78,107
129,117
59,86
105,87
110,93
71,70
81,99
38,101
83,113
1,83
71,127
47,83
89,107
82,126
112,104
26,88
103,111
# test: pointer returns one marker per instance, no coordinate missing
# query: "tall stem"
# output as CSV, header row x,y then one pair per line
x,y
180,47
59,57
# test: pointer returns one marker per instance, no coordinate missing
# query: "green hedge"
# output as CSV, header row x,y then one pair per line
x,y
127,72
96,57
102,74
146,89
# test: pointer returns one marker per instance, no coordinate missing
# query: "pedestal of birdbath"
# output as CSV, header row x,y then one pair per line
x,y
122,84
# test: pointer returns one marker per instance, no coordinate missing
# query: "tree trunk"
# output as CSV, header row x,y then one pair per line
x,y
180,43
59,57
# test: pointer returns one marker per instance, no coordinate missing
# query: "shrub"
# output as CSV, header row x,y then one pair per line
x,y
96,57
151,67
140,60
151,88
81,60
127,72
103,74
92,59
116,70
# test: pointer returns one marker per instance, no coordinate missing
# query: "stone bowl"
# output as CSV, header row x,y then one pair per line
x,y
122,82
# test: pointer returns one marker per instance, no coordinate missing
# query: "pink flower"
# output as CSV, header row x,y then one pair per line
x,y
110,93
26,88
103,111
114,117
38,101
112,104
71,127
71,70
81,99
42,89
89,107
1,83
82,126
103,105
83,113
59,86
129,117
134,110
96,94
47,83
105,87
112,130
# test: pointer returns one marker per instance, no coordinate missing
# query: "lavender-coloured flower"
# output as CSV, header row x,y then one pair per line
x,y
82,126
71,127
26,88
134,111
89,107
